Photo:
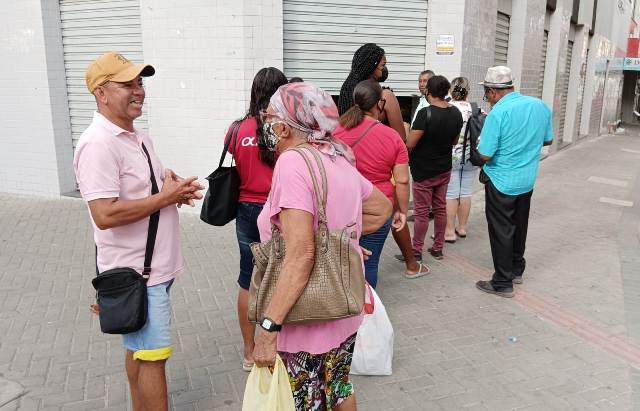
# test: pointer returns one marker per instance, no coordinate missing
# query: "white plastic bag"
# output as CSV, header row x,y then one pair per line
x,y
373,350
268,392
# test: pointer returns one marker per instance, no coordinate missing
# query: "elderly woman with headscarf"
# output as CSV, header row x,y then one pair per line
x,y
317,356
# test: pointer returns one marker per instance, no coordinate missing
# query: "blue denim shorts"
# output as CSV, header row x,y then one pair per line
x,y
462,186
153,341
247,233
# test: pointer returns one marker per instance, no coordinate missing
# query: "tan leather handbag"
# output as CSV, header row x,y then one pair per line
x,y
336,287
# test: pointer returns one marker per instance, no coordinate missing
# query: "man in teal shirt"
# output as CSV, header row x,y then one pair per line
x,y
510,143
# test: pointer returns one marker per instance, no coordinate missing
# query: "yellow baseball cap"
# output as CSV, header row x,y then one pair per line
x,y
113,66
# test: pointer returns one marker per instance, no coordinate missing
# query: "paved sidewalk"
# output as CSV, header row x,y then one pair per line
x,y
568,340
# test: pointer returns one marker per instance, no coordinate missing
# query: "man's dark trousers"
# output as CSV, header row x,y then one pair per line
x,y
508,220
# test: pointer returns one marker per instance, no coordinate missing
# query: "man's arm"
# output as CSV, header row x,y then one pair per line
x,y
414,137
113,212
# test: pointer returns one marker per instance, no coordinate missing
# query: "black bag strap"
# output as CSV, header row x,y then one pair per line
x,y
364,133
154,219
475,112
152,231
235,126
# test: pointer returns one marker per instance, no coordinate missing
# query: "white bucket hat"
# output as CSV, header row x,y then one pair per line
x,y
498,77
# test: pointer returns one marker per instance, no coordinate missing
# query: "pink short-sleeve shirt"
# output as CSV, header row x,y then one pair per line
x,y
110,162
293,188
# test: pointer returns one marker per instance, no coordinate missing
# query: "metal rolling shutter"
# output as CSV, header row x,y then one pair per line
x,y
543,61
583,79
502,39
320,38
91,28
565,90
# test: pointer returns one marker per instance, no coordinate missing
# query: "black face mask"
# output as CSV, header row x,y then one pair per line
x,y
385,74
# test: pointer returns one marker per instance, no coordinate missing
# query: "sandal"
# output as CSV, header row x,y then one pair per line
x,y
460,235
419,274
247,365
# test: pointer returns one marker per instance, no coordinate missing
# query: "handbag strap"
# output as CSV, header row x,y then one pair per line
x,y
153,222
152,231
364,133
321,198
235,126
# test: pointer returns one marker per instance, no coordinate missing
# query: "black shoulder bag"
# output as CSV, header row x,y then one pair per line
x,y
220,204
122,292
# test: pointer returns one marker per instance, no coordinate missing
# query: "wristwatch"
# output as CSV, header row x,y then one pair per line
x,y
269,325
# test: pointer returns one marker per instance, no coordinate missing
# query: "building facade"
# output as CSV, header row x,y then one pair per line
x,y
569,53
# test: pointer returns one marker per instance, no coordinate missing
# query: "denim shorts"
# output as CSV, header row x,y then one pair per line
x,y
247,233
461,186
153,341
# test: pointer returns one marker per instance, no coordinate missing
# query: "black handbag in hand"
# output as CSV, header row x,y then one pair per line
x,y
220,204
122,292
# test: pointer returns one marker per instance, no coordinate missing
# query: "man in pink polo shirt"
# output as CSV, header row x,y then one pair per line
x,y
113,173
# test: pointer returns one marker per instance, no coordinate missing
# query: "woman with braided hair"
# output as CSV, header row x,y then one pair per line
x,y
370,63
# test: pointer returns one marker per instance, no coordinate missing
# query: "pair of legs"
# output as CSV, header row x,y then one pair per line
x,y
508,221
403,240
430,193
247,233
374,242
147,352
457,208
459,191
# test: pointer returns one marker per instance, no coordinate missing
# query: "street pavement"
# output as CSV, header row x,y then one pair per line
x,y
568,340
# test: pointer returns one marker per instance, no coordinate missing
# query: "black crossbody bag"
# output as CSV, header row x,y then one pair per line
x,y
121,292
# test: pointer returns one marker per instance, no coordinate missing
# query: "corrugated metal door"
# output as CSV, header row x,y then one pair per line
x,y
502,39
543,63
91,28
320,39
583,79
565,90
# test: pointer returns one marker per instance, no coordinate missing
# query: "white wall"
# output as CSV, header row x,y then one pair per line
x,y
205,54
35,143
445,17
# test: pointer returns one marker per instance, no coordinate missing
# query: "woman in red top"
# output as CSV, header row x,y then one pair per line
x,y
255,166
380,154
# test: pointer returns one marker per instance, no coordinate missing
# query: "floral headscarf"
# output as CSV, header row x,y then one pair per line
x,y
310,109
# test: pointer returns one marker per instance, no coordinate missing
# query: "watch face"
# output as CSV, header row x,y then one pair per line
x,y
266,323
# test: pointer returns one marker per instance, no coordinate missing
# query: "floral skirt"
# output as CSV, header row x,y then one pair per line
x,y
320,381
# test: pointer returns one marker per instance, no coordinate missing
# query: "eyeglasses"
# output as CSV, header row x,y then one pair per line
x,y
264,116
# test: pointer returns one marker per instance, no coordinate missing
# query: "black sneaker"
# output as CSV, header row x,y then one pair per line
x,y
517,279
400,257
436,254
487,287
